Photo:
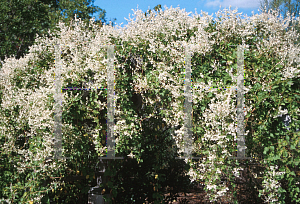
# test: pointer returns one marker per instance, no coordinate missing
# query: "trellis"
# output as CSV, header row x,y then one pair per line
x,y
110,104
241,146
240,106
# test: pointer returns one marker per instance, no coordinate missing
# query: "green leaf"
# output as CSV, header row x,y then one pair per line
x,y
292,173
296,161
266,150
95,112
277,157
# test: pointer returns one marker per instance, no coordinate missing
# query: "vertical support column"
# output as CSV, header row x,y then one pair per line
x,y
110,104
188,108
58,104
240,104
188,105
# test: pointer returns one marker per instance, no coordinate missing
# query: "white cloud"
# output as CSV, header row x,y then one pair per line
x,y
234,3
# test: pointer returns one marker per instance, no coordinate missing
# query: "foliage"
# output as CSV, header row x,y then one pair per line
x,y
149,134
20,22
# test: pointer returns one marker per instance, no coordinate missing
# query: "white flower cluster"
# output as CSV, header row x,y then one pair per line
x,y
271,185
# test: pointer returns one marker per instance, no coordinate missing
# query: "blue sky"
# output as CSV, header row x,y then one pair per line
x,y
122,8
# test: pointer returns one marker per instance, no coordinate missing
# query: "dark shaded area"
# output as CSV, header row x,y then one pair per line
x,y
135,181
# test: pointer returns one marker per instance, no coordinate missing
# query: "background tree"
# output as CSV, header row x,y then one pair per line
x,y
284,6
156,8
82,9
21,20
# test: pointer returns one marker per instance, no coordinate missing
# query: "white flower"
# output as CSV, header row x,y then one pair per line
x,y
131,155
281,112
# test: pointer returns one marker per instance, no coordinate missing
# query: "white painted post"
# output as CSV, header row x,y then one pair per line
x,y
58,104
188,104
240,104
241,146
188,108
110,104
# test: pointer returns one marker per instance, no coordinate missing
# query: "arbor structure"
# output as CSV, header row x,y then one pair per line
x,y
26,114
